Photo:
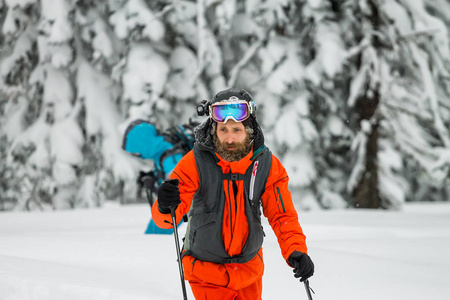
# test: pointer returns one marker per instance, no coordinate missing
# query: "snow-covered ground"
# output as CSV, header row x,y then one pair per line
x,y
103,254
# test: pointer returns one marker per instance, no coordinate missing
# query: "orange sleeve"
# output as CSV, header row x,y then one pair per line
x,y
280,211
186,172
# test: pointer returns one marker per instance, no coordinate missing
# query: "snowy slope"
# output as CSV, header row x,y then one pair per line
x,y
103,254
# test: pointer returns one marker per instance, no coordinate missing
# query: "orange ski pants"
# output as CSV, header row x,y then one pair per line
x,y
206,291
235,281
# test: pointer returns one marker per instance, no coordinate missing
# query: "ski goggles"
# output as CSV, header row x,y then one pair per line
x,y
235,109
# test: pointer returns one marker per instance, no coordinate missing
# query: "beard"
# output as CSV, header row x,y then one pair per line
x,y
239,152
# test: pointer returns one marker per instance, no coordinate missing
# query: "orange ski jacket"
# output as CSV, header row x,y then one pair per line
x,y
277,208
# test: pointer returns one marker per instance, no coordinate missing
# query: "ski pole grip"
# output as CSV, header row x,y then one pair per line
x,y
172,181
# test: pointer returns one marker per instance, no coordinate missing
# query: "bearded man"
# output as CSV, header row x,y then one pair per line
x,y
222,184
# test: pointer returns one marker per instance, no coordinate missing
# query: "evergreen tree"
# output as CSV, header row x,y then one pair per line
x,y
353,95
59,121
402,52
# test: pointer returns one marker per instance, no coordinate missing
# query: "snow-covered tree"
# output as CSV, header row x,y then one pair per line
x,y
345,77
353,95
59,121
400,57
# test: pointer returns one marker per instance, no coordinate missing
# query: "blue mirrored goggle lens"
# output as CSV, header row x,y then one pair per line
x,y
236,111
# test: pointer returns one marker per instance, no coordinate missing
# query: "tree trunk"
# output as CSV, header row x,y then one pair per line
x,y
366,194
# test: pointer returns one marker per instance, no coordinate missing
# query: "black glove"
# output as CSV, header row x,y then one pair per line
x,y
168,195
302,264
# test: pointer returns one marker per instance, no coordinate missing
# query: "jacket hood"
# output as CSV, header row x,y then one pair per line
x,y
204,138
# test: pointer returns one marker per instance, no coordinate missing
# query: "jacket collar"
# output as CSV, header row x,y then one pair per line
x,y
240,166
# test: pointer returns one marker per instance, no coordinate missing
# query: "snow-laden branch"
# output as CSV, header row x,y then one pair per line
x,y
276,65
422,155
354,51
201,23
357,85
247,57
430,90
166,9
359,146
366,41
444,105
209,53
436,164
410,111
417,33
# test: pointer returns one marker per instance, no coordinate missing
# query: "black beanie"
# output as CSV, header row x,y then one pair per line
x,y
226,94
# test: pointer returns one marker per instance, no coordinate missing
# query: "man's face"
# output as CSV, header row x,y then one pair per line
x,y
231,133
233,141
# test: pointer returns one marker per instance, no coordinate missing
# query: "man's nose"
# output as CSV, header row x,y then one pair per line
x,y
229,138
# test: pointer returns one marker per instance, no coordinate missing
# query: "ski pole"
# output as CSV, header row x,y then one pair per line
x,y
177,244
308,289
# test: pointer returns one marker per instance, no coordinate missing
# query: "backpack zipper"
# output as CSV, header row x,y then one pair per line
x,y
231,212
